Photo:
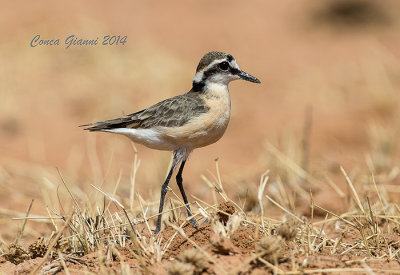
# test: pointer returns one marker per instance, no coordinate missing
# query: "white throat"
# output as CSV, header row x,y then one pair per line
x,y
217,89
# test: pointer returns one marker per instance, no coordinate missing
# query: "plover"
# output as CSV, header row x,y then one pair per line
x,y
185,122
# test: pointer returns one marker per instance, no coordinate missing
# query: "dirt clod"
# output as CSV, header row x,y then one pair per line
x,y
38,248
225,208
223,245
200,234
16,254
194,257
270,247
178,268
62,245
288,229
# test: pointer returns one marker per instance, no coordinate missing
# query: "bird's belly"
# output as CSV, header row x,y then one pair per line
x,y
148,137
199,131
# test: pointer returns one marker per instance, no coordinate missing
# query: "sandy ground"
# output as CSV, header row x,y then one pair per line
x,y
329,97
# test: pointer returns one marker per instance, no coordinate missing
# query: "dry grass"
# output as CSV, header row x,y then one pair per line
x,y
320,196
301,217
364,238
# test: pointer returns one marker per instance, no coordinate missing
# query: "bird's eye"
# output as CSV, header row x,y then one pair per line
x,y
224,66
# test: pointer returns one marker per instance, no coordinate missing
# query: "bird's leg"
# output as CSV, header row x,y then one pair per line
x,y
175,161
179,181
162,198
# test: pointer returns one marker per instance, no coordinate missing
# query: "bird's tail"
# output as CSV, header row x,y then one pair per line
x,y
121,122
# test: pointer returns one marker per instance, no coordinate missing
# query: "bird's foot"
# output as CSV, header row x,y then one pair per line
x,y
193,222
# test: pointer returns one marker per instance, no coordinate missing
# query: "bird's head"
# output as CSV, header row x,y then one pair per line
x,y
219,68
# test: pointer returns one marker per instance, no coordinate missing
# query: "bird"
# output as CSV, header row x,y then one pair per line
x,y
184,122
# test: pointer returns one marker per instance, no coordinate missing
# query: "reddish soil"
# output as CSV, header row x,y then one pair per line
x,y
226,254
329,97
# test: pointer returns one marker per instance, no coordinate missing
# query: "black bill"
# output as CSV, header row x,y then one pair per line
x,y
248,77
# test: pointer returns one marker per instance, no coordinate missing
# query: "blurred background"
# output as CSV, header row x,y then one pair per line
x,y
329,95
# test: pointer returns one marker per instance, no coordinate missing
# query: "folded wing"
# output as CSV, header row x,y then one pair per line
x,y
172,112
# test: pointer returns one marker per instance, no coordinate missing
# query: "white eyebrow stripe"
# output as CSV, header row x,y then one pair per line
x,y
213,63
198,77
234,64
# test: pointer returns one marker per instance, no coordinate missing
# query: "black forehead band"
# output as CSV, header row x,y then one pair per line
x,y
229,57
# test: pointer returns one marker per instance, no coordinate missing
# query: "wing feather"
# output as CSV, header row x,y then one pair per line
x,y
172,112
